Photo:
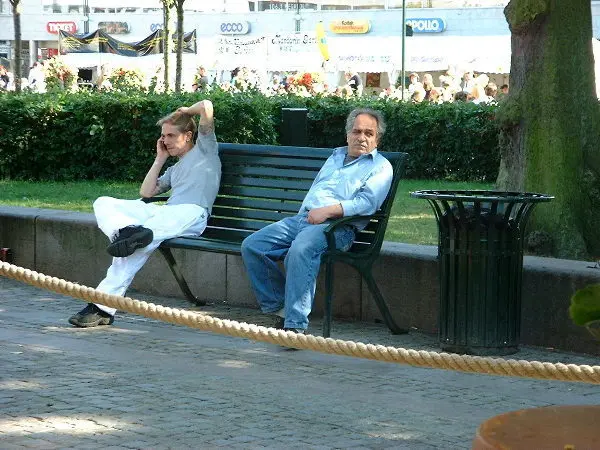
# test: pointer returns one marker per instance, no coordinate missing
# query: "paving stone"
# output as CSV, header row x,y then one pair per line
x,y
142,383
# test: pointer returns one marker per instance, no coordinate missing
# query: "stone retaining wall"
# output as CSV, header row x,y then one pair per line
x,y
68,245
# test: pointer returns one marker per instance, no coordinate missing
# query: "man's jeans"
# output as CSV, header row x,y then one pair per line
x,y
301,245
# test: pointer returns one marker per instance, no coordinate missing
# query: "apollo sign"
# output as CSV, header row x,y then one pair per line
x,y
433,25
234,28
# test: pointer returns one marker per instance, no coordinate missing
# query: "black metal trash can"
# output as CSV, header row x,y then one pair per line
x,y
481,263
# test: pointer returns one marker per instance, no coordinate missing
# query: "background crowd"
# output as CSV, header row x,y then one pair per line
x,y
450,87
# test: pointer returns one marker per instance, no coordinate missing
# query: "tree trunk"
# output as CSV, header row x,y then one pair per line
x,y
179,6
550,139
166,35
17,69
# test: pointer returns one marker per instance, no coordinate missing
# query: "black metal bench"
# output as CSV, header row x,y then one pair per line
x,y
261,184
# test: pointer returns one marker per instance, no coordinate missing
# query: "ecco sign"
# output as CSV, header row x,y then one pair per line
x,y
434,25
234,28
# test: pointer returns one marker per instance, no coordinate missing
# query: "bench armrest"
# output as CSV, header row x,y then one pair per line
x,y
344,221
154,199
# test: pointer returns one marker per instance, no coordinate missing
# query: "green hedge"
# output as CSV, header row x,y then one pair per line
x,y
112,136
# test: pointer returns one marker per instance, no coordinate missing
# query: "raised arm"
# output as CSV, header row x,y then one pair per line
x,y
204,109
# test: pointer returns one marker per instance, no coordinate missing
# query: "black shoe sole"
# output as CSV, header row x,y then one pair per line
x,y
76,321
126,247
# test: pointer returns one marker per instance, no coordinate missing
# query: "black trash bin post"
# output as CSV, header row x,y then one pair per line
x,y
481,263
294,127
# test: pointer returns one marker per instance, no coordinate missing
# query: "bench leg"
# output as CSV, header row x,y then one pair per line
x,y
385,312
166,252
328,299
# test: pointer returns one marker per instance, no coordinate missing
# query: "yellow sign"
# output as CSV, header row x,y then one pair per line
x,y
322,41
350,26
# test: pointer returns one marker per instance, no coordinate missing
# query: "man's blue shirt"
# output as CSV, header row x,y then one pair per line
x,y
360,186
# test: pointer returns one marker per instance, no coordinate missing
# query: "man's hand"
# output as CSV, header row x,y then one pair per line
x,y
203,108
320,215
161,151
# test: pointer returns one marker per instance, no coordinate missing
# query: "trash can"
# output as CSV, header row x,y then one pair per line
x,y
481,263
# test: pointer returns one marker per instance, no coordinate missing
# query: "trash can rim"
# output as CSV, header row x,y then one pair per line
x,y
482,196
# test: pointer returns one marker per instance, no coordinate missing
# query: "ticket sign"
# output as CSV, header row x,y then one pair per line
x,y
429,25
55,27
350,26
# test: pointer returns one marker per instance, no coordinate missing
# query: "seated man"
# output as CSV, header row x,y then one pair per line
x,y
354,180
136,228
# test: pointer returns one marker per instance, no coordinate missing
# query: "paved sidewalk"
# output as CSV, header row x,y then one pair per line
x,y
146,384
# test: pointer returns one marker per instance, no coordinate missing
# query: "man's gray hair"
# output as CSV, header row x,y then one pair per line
x,y
377,115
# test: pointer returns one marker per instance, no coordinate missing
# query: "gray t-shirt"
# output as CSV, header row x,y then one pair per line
x,y
195,178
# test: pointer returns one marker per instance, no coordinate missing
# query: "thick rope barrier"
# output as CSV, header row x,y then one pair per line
x,y
417,358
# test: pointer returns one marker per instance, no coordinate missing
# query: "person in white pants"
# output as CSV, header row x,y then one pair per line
x,y
135,228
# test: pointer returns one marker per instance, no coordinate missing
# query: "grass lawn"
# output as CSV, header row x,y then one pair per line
x,y
412,220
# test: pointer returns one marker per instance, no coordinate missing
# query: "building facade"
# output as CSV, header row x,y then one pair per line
x,y
364,36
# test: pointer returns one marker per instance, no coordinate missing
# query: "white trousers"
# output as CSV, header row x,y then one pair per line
x,y
165,221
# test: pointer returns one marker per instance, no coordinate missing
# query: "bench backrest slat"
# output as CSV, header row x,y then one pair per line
x,y
274,162
244,191
279,183
255,203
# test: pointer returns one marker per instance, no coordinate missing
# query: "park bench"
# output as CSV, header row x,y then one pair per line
x,y
261,184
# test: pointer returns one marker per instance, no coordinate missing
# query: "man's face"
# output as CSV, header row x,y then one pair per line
x,y
176,143
362,139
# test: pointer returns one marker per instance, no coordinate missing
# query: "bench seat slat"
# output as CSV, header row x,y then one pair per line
x,y
202,243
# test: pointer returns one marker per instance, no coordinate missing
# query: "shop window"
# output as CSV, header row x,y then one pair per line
x,y
369,4
279,5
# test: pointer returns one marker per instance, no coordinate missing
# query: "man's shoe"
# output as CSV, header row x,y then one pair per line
x,y
128,240
91,316
296,330
278,323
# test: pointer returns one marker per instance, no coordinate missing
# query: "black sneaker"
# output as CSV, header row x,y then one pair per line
x,y
296,330
91,316
129,240
278,323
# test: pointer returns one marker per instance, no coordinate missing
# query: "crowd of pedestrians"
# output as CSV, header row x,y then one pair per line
x,y
468,87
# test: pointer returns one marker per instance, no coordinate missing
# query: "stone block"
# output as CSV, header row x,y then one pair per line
x,y
407,276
